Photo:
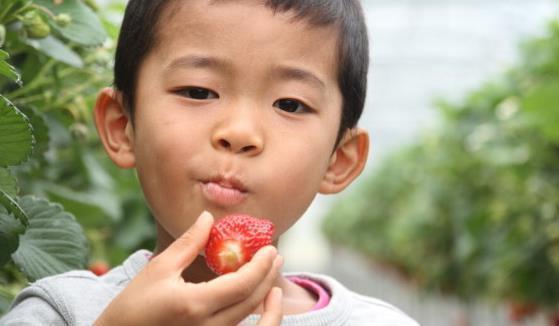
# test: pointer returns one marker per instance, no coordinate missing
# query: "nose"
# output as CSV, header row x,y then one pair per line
x,y
239,133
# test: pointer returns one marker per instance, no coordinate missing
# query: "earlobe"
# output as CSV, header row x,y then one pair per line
x,y
347,162
114,128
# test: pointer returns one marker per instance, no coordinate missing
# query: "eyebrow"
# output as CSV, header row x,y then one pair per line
x,y
299,74
284,72
198,61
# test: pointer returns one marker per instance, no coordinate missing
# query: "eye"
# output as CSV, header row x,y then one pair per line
x,y
197,93
291,106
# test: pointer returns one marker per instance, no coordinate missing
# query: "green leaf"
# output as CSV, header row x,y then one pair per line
x,y
54,242
13,207
16,137
94,208
5,301
7,70
40,131
10,229
8,182
57,50
85,28
2,35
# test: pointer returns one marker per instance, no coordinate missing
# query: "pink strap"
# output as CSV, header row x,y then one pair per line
x,y
314,287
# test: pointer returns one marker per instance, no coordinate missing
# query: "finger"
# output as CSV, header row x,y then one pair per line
x,y
231,288
273,310
182,252
240,310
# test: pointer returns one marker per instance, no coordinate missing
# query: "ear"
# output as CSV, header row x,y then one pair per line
x,y
115,128
347,161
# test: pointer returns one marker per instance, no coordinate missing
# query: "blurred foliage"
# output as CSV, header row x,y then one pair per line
x,y
472,208
55,55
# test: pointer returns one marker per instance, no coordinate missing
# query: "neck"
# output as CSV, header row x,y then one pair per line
x,y
196,272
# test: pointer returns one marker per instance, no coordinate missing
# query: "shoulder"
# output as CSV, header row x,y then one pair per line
x,y
76,286
382,313
75,297
361,310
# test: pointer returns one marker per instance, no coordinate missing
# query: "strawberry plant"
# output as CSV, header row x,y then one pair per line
x,y
54,57
472,208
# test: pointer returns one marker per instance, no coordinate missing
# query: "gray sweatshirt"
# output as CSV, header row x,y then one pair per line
x,y
79,297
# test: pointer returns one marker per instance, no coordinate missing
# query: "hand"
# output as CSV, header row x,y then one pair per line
x,y
158,295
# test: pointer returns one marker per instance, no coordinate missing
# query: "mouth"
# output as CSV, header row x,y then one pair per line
x,y
224,192
228,183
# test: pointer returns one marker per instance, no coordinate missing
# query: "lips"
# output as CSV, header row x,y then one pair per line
x,y
224,192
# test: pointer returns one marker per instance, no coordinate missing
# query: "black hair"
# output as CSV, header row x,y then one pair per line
x,y
141,20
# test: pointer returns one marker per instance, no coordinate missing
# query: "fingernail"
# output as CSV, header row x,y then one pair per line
x,y
278,291
205,215
278,262
265,251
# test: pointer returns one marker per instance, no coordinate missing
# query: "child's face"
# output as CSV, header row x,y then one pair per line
x,y
237,112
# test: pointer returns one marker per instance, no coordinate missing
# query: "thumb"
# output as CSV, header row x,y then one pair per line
x,y
186,247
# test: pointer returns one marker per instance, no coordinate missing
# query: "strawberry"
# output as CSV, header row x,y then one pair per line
x,y
519,311
99,267
233,241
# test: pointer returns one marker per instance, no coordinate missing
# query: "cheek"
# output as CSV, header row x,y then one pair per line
x,y
156,153
296,182
165,142
161,150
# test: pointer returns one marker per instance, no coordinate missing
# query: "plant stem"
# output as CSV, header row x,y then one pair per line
x,y
45,10
35,83
76,90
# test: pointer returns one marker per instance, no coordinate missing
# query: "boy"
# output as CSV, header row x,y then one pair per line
x,y
223,107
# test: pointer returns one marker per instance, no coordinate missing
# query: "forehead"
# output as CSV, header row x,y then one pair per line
x,y
247,26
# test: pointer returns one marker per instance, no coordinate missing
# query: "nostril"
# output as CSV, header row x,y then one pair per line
x,y
235,147
248,148
224,143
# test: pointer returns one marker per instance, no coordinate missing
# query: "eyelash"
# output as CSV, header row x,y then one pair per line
x,y
301,107
186,92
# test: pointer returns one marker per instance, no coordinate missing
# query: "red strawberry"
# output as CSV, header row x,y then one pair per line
x,y
99,267
234,240
519,311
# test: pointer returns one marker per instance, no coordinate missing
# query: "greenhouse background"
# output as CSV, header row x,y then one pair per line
x,y
421,51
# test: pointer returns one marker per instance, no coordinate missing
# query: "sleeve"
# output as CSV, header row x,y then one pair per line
x,y
32,311
368,310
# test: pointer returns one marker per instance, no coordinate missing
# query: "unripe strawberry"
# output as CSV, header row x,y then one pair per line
x,y
63,20
233,241
34,25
